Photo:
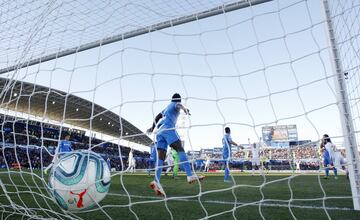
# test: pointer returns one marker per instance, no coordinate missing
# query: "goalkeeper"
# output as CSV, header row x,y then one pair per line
x,y
175,156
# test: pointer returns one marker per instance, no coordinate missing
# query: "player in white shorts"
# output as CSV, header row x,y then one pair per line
x,y
255,159
131,162
207,163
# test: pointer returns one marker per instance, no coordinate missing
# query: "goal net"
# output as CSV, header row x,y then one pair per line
x,y
279,73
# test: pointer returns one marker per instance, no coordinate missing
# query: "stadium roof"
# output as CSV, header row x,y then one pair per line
x,y
46,102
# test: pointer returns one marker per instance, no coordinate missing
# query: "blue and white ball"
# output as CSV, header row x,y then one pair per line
x,y
79,180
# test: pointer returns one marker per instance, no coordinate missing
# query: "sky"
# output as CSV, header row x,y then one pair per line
x,y
264,65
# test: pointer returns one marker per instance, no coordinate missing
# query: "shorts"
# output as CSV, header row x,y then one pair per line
x,y
165,138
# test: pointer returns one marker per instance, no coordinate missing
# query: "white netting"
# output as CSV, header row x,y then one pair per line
x,y
242,64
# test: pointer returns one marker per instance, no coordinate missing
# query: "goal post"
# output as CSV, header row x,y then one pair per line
x,y
350,142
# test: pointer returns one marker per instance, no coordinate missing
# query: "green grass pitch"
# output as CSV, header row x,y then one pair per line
x,y
253,197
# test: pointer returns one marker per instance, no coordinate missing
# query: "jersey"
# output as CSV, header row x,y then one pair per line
x,y
170,115
130,158
297,163
133,162
64,146
226,146
255,160
329,150
328,154
255,152
167,134
207,163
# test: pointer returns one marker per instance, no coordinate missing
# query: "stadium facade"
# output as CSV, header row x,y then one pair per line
x,y
45,102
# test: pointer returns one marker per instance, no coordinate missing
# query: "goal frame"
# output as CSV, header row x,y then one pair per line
x,y
352,154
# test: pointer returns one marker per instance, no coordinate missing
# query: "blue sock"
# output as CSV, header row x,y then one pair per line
x,y
185,163
327,171
227,173
158,170
335,171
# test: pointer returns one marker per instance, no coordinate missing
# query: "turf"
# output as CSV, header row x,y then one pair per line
x,y
283,196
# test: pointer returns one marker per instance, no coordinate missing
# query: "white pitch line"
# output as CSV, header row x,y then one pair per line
x,y
263,203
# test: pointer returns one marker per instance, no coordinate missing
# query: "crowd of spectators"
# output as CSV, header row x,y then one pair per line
x,y
305,157
29,144
242,165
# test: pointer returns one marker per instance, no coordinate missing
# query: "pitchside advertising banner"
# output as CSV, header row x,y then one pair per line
x,y
279,133
207,151
194,153
218,150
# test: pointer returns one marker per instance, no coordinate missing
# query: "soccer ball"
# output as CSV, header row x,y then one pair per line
x,y
79,180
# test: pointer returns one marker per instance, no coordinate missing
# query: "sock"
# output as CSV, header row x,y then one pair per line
x,y
327,171
227,174
158,170
335,171
185,163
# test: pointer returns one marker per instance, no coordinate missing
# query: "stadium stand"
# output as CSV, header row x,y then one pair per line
x,y
31,142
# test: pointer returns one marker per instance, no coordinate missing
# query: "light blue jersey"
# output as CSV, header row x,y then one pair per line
x,y
167,134
226,146
170,115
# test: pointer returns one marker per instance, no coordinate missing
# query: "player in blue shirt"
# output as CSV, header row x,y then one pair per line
x,y
63,148
227,144
64,145
152,159
166,135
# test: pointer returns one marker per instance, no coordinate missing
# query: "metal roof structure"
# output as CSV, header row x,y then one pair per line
x,y
59,106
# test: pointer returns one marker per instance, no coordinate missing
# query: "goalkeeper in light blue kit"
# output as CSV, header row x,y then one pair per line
x,y
63,148
227,143
166,135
